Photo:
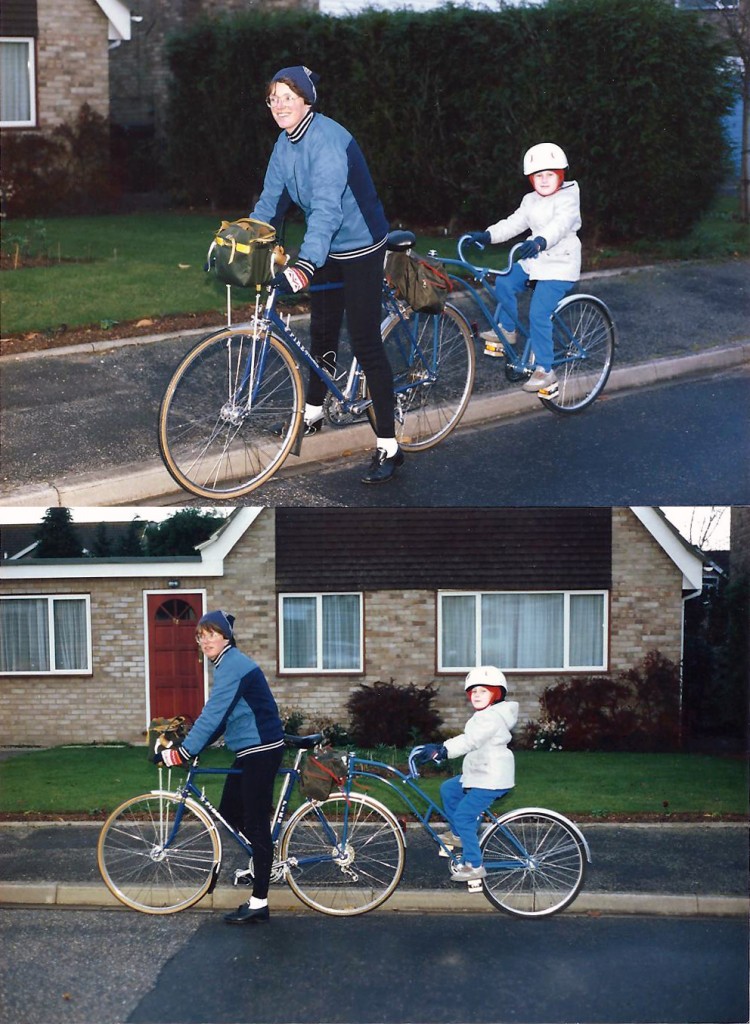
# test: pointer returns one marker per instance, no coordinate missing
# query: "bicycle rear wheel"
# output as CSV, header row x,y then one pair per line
x,y
150,868
583,337
230,414
347,853
433,362
535,863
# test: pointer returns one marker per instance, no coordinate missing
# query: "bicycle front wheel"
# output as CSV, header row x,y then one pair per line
x,y
154,861
230,414
583,337
535,864
433,362
345,855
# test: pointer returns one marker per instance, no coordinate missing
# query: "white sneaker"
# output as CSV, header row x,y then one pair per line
x,y
542,380
467,872
492,344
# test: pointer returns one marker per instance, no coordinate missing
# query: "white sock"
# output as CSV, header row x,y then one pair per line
x,y
389,446
255,904
313,413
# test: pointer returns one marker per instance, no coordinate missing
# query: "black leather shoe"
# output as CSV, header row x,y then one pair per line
x,y
382,468
246,915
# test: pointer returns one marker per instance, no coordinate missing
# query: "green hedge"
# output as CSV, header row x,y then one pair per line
x,y
445,103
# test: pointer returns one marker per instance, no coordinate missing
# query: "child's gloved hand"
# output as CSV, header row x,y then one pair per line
x,y
427,752
531,248
480,238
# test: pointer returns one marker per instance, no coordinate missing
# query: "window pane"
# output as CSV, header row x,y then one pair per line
x,y
15,95
586,629
341,643
24,636
522,630
300,648
458,631
71,648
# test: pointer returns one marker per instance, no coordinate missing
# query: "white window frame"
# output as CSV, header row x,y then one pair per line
x,y
53,670
31,80
567,594
318,669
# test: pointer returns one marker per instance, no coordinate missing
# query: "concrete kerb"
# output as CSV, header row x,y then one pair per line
x,y
139,482
436,901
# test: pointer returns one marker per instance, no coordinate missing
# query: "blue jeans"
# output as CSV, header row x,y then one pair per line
x,y
463,808
546,296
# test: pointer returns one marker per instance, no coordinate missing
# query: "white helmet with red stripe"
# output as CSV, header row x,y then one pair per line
x,y
545,156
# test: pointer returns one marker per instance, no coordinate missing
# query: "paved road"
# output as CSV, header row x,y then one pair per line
x,y
108,967
75,423
685,442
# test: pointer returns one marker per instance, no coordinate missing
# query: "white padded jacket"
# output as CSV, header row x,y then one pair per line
x,y
556,218
488,763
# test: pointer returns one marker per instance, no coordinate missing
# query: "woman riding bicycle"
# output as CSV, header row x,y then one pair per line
x,y
551,258
317,165
242,708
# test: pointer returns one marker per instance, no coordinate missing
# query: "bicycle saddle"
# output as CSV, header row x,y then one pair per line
x,y
400,241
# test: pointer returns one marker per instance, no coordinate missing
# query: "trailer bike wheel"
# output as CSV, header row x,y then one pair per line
x,y
583,337
535,863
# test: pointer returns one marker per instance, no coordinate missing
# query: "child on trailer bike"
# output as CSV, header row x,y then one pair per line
x,y
488,770
551,258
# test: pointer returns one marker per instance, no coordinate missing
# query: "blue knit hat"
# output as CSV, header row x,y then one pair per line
x,y
304,79
219,620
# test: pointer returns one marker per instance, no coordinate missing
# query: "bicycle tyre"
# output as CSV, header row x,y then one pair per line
x,y
136,868
433,362
367,872
583,338
545,863
218,437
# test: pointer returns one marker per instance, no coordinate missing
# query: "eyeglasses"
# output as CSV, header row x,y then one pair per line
x,y
281,101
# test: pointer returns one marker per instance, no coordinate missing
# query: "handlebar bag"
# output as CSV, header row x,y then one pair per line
x,y
420,281
241,252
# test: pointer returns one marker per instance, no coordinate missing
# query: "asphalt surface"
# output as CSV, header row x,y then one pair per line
x,y
683,869
79,424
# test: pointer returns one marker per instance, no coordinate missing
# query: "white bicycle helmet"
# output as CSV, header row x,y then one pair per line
x,y
486,675
545,156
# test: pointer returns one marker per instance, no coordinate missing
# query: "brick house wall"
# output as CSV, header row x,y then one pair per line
x,y
139,75
72,60
400,629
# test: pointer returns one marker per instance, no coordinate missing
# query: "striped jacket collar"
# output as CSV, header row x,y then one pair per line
x,y
296,134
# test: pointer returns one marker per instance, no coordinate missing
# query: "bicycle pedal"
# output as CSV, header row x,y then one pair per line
x,y
246,877
549,392
475,885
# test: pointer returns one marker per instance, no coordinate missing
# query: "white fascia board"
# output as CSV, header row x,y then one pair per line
x,y
118,16
211,563
675,547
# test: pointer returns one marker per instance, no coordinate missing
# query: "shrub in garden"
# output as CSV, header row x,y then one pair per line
x,y
390,715
642,128
638,710
64,171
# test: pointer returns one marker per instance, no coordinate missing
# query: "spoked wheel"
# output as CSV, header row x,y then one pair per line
x,y
433,362
149,866
347,854
230,414
535,861
583,336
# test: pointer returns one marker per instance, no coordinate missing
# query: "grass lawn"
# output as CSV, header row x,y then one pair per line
x,y
92,780
122,268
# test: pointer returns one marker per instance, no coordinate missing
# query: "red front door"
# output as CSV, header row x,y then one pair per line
x,y
175,673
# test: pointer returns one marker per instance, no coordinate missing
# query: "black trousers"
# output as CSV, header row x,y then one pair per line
x,y
360,298
247,804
